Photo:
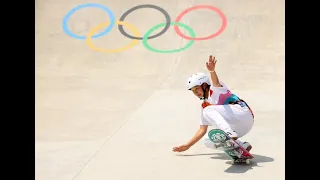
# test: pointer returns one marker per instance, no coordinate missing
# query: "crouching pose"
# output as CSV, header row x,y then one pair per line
x,y
220,108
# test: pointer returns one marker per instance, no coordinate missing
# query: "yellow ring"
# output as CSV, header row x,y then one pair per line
x,y
95,29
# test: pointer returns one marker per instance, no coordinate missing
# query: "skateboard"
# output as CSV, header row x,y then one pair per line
x,y
223,142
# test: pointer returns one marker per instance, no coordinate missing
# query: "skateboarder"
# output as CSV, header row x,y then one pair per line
x,y
220,108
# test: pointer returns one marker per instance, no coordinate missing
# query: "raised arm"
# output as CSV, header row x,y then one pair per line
x,y
211,65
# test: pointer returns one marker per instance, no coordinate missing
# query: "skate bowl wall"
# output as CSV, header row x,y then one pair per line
x,y
112,106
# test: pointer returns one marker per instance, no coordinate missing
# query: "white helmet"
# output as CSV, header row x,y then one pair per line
x,y
197,80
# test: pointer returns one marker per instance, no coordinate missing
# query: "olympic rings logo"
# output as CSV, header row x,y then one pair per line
x,y
136,34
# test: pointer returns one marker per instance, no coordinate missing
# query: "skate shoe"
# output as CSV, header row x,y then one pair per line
x,y
232,134
247,146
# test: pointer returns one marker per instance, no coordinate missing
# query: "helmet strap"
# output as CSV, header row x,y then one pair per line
x,y
205,93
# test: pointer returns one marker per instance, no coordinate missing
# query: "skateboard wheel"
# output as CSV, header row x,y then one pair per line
x,y
232,161
248,161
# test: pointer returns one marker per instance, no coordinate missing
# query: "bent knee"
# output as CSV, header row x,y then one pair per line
x,y
208,109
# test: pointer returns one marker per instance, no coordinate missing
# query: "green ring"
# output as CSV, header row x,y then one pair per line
x,y
147,46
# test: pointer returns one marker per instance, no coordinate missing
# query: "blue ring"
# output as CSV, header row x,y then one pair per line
x,y
68,15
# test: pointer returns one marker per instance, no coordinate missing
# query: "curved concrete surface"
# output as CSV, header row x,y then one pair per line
x,y
117,116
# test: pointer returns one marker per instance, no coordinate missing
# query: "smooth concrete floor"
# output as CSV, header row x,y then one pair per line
x,y
108,112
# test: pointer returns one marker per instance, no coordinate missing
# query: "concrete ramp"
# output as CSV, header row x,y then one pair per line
x,y
112,107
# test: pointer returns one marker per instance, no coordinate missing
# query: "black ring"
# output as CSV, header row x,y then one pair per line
x,y
164,12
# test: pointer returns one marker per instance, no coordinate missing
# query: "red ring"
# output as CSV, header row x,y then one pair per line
x,y
224,22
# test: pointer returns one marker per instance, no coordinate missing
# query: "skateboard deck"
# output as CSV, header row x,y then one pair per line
x,y
223,142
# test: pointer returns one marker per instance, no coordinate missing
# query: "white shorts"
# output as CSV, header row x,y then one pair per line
x,y
229,118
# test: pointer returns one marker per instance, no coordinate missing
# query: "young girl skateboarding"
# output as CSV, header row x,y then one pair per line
x,y
220,108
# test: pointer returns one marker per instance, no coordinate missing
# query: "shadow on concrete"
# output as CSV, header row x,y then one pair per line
x,y
242,167
235,168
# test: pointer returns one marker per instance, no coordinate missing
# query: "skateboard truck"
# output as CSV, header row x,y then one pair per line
x,y
225,143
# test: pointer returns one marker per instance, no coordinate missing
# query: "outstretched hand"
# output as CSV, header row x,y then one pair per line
x,y
180,148
211,64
